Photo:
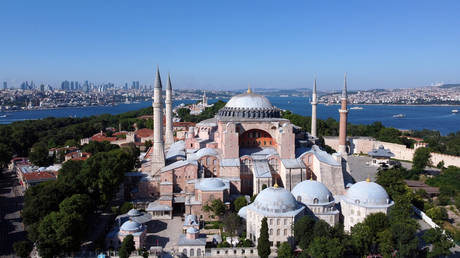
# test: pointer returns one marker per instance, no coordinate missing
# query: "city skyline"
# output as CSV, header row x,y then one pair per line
x,y
229,45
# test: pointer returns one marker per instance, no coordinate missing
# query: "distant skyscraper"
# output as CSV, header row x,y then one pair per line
x,y
5,85
42,87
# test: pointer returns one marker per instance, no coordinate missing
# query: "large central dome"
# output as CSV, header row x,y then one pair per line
x,y
249,105
249,100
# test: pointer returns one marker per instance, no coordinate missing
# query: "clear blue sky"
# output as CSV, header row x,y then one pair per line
x,y
228,44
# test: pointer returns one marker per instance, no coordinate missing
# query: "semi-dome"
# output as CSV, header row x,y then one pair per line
x,y
131,226
367,194
312,192
275,200
211,184
249,100
134,213
192,231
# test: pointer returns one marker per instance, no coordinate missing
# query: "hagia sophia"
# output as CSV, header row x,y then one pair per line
x,y
249,149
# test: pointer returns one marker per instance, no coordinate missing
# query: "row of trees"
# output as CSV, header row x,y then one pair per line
x,y
56,213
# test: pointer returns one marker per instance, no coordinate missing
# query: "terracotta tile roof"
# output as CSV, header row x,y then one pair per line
x,y
40,176
144,132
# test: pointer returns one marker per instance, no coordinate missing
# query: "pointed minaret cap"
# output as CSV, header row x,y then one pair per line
x,y
249,89
368,179
158,79
314,87
344,91
169,87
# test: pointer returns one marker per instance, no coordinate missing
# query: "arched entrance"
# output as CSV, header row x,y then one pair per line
x,y
256,138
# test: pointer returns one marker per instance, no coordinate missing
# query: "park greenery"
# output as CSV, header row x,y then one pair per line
x,y
56,213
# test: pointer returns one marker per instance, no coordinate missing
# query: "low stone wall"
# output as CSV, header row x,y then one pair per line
x,y
425,218
232,252
366,144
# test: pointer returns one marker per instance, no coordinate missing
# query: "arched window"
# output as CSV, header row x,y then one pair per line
x,y
192,252
215,162
271,221
285,232
271,231
278,232
184,251
277,221
315,201
299,198
208,161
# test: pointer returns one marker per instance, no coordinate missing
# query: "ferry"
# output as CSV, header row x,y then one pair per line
x,y
399,116
2,116
357,108
455,111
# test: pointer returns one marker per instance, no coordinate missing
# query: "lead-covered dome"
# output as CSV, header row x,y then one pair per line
x,y
368,194
249,105
249,100
131,226
312,192
275,200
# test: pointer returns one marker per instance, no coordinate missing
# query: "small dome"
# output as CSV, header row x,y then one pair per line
x,y
312,192
276,200
192,231
134,213
209,184
367,193
132,226
191,220
249,100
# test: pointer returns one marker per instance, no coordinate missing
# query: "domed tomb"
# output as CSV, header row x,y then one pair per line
x,y
312,192
367,194
275,200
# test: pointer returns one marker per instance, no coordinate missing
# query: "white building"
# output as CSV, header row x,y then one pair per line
x,y
318,199
281,210
362,199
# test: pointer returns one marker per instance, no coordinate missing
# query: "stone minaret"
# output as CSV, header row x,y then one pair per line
x,y
314,102
343,120
158,155
169,135
204,102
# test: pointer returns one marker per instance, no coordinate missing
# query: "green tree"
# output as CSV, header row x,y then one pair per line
x,y
441,244
231,223
263,243
404,233
385,243
285,250
438,214
217,207
239,203
361,236
127,246
421,159
303,231
5,155
324,247
125,207
39,155
23,248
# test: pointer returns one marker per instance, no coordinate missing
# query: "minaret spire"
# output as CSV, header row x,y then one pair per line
x,y
343,120
314,102
169,135
158,155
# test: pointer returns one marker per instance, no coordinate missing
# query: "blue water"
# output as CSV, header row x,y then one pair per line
x,y
417,117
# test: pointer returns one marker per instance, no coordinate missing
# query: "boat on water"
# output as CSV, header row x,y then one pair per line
x,y
399,116
2,116
357,108
455,111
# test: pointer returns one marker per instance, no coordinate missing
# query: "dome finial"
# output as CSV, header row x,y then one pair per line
x,y
249,89
368,179
276,184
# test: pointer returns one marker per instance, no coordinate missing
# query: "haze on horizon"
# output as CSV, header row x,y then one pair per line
x,y
228,45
